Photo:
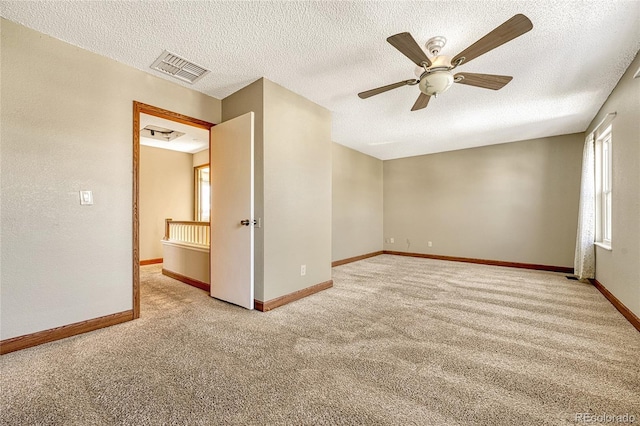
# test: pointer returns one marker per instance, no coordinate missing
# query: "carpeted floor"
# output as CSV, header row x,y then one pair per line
x,y
397,341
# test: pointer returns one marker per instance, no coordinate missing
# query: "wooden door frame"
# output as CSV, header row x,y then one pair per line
x,y
141,108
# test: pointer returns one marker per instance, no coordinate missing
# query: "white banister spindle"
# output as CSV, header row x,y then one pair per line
x,y
189,232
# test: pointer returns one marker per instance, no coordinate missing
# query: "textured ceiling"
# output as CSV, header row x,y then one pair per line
x,y
563,69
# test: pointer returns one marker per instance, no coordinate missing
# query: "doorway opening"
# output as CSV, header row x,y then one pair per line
x,y
139,112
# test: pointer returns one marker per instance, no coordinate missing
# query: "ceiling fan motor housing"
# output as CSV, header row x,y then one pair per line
x,y
435,44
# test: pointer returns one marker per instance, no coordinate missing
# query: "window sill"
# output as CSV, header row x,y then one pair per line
x,y
603,245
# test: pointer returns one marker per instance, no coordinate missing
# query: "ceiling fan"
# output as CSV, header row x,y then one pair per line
x,y
435,74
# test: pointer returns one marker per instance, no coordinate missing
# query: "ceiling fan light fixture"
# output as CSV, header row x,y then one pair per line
x,y
436,82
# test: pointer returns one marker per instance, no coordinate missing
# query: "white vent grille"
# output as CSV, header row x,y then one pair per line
x,y
179,68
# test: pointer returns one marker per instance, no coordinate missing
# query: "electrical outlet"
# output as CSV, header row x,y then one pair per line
x,y
303,270
86,198
391,240
430,244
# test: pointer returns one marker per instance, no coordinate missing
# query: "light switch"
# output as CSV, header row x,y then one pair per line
x,y
86,198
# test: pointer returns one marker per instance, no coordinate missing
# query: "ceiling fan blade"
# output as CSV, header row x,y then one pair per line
x,y
421,102
487,81
511,29
377,91
408,46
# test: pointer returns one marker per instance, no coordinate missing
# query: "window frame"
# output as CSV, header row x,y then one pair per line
x,y
604,186
196,188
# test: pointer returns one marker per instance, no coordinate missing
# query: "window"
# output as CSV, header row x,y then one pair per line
x,y
202,194
603,187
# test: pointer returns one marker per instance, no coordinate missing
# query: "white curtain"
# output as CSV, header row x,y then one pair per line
x,y
585,258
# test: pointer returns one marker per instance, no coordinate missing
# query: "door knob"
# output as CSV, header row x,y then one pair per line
x,y
247,222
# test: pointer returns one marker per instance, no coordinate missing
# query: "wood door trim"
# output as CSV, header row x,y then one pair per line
x,y
151,261
563,269
187,280
291,297
626,312
142,108
355,258
174,116
62,332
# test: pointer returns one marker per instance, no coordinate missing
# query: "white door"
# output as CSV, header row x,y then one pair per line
x,y
231,160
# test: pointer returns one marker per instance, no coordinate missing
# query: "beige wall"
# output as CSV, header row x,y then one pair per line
x,y
201,158
297,191
250,98
515,202
619,269
187,260
66,125
166,190
292,186
356,203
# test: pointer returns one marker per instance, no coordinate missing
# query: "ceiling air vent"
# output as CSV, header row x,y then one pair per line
x,y
160,133
179,68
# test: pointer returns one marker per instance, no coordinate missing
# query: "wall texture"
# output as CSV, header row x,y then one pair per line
x,y
166,190
618,269
189,261
66,126
200,158
297,192
356,203
514,202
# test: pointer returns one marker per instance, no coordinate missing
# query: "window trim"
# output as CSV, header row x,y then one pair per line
x,y
603,144
196,189
603,246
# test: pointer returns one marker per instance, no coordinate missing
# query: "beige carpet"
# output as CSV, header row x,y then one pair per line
x,y
396,341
